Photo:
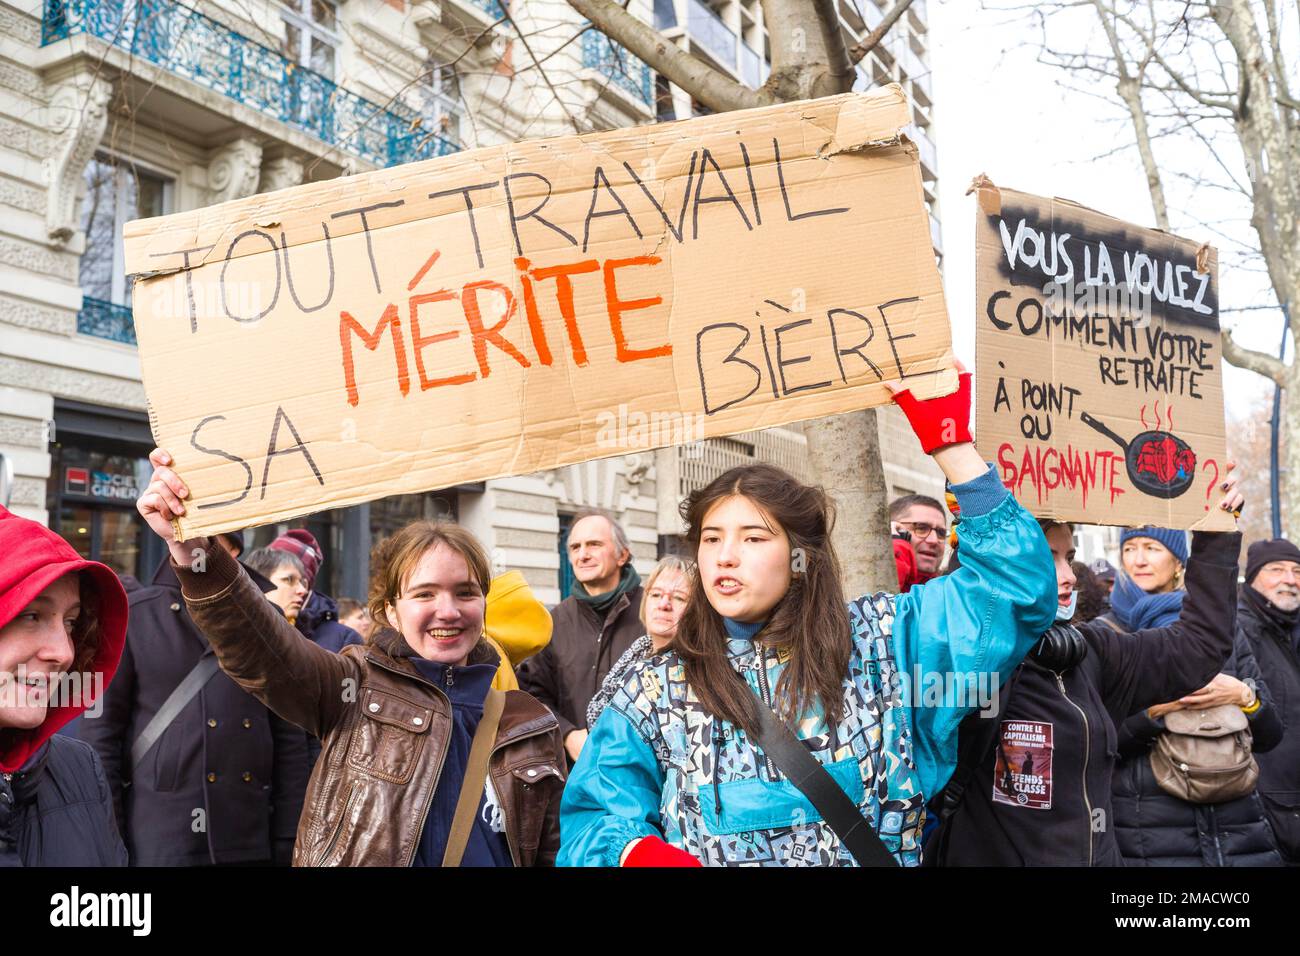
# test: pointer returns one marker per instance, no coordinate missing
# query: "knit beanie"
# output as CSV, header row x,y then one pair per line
x,y
302,545
1266,552
1175,541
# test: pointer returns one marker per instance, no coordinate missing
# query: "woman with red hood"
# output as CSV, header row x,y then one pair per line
x,y
62,629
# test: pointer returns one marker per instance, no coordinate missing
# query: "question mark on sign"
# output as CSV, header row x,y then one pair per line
x,y
1210,461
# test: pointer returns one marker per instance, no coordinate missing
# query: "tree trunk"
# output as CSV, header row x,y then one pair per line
x,y
1269,142
845,454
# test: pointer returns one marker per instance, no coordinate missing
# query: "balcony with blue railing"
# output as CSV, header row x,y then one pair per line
x,y
106,320
186,43
625,71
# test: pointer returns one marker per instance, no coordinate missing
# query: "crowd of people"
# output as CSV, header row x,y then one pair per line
x,y
734,708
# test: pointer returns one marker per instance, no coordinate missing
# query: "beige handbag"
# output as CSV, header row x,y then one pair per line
x,y
1204,756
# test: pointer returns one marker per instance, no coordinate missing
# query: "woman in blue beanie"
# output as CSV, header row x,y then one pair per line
x,y
1150,592
1155,827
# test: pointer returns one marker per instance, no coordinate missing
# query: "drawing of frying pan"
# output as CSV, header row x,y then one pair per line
x,y
1159,463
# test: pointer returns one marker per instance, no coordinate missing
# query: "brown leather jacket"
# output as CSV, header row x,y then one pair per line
x,y
383,728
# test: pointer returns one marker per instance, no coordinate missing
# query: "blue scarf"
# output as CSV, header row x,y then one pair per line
x,y
1138,610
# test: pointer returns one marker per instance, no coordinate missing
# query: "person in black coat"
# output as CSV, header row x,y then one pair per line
x,y
1061,707
224,783
62,628
58,811
1268,616
1156,828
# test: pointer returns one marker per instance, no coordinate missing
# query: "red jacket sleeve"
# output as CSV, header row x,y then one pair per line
x,y
905,561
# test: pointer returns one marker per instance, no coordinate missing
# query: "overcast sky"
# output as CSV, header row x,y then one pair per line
x,y
999,112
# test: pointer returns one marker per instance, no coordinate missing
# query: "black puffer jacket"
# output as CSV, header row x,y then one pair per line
x,y
1155,828
59,811
1274,641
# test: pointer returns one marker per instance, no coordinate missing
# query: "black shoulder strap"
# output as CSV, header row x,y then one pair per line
x,y
176,701
779,743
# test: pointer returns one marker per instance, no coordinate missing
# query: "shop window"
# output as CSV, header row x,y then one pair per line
x,y
390,515
94,495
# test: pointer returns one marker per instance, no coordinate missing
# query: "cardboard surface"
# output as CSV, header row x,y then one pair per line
x,y
521,307
1100,392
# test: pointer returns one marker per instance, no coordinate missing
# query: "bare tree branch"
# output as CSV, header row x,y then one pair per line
x,y
873,39
1130,91
1261,363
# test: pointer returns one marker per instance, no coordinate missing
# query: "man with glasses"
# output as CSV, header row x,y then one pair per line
x,y
1268,613
920,529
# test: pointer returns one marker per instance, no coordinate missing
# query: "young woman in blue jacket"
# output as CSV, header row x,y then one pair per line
x,y
875,687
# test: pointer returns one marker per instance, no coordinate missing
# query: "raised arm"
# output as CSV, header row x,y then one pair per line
x,y
254,644
968,630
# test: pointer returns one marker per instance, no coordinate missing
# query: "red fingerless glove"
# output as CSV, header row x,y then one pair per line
x,y
652,851
939,421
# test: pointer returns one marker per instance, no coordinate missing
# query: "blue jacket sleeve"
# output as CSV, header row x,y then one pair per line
x,y
967,631
612,796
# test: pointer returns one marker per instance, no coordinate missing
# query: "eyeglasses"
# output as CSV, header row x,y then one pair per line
x,y
921,530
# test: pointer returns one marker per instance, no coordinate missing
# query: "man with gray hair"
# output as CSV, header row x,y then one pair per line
x,y
1268,613
593,626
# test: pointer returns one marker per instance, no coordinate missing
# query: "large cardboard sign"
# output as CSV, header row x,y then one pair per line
x,y
525,306
1100,390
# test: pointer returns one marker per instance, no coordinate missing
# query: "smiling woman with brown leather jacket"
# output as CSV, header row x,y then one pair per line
x,y
403,721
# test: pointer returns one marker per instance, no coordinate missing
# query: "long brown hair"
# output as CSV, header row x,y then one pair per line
x,y
810,623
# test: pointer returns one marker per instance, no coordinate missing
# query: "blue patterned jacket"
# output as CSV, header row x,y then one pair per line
x,y
657,764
